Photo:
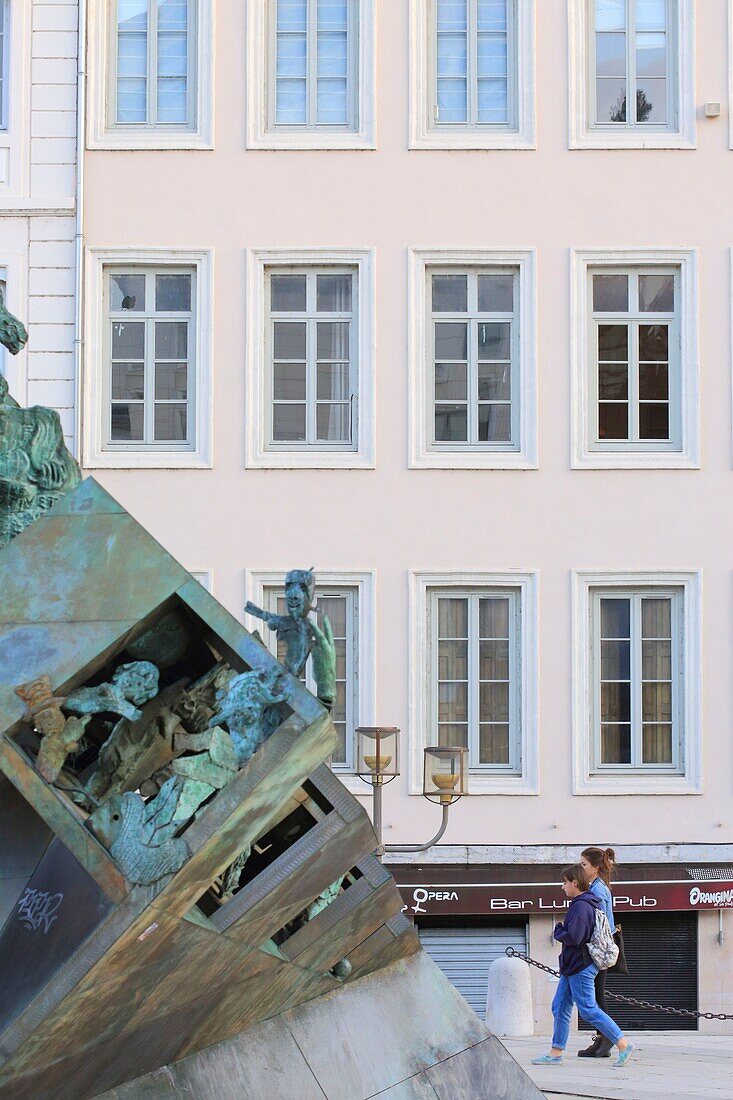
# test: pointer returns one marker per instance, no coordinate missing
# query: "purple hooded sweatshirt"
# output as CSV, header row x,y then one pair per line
x,y
574,933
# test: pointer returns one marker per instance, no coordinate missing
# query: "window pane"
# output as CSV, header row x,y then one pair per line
x,y
494,340
451,15
494,381
495,293
331,102
452,702
656,293
654,343
126,292
127,423
171,100
656,618
128,340
656,702
290,340
291,15
613,381
611,55
494,617
291,102
453,735
452,660
332,54
610,15
170,423
171,381
651,15
333,340
450,382
494,424
615,618
651,55
331,15
615,660
491,55
172,293
494,702
289,381
132,55
452,617
171,340
615,701
613,421
494,660
611,293
128,381
288,423
653,382
654,421
335,608
452,56
333,423
451,340
333,382
451,423
287,293
613,343
656,660
494,744
291,55
333,293
132,99
172,55
172,14
657,744
615,744
651,100
610,99
493,101
492,15
450,293
452,100
132,14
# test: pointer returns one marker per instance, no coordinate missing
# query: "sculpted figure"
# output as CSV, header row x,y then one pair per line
x,y
301,636
242,709
13,334
130,687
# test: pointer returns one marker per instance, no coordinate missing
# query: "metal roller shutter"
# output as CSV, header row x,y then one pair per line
x,y
464,954
661,950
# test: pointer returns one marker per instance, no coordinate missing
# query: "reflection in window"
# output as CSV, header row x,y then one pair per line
x,y
151,357
633,79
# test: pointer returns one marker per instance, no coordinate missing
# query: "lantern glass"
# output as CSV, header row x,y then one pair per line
x,y
445,777
377,753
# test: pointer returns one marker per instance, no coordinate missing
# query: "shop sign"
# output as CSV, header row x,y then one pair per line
x,y
512,899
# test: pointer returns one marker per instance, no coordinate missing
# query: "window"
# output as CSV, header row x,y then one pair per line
x,y
3,64
310,379
312,351
635,337
639,374
472,76
150,79
473,360
348,599
474,339
638,713
475,676
638,83
311,68
151,366
147,363
474,640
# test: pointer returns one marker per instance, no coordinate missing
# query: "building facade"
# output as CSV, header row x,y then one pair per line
x,y
435,295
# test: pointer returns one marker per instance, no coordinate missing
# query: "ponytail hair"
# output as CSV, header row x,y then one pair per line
x,y
604,859
576,874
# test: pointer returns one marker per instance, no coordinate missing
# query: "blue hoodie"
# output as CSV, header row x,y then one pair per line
x,y
574,933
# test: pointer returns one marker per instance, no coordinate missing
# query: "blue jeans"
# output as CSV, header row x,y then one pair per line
x,y
580,989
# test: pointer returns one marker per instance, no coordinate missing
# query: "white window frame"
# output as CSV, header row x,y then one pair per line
x,y
15,142
364,584
621,455
424,454
97,454
584,133
102,130
483,781
260,453
425,134
5,32
587,778
261,134
205,577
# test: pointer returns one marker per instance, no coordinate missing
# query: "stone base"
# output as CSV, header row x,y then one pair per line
x,y
403,1033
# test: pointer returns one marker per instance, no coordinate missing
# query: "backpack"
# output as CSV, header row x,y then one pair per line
x,y
601,945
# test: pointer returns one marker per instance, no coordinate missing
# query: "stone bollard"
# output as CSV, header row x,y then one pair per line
x,y
509,998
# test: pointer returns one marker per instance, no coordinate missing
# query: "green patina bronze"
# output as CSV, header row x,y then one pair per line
x,y
131,685
35,466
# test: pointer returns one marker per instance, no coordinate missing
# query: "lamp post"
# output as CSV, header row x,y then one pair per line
x,y
445,777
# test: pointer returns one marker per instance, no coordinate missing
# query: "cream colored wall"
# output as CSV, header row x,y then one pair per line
x,y
715,966
394,519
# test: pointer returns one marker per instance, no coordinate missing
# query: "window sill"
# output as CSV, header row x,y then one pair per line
x,y
472,140
636,784
596,139
297,141
310,460
483,784
635,460
153,140
143,460
467,460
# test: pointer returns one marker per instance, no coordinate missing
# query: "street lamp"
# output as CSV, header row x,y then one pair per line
x,y
445,777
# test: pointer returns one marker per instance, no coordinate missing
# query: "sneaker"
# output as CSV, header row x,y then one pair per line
x,y
623,1056
547,1060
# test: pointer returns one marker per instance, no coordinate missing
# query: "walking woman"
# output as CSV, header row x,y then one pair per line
x,y
598,864
578,972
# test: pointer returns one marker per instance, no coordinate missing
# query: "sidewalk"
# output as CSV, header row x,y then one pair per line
x,y
668,1066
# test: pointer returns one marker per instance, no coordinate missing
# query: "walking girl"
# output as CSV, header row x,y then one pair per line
x,y
598,864
578,973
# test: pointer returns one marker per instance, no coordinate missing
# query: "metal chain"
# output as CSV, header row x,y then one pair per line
x,y
512,953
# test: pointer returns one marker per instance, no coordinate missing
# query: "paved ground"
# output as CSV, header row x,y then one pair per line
x,y
668,1066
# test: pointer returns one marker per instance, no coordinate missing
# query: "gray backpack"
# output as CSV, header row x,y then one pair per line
x,y
601,945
